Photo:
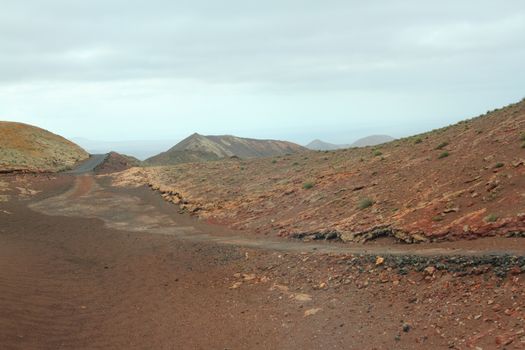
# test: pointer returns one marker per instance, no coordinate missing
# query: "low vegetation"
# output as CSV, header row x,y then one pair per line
x,y
416,196
365,203
491,218
28,148
442,145
308,185
444,155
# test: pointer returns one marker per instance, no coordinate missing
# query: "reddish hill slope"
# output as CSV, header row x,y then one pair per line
x,y
461,181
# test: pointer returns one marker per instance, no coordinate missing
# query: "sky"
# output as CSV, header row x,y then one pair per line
x,y
281,69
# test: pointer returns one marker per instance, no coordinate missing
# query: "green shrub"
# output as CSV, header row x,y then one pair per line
x,y
499,165
522,136
274,161
442,145
308,185
418,140
378,153
295,164
437,218
491,218
365,203
443,155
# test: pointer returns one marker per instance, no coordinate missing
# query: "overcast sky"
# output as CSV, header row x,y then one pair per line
x,y
296,70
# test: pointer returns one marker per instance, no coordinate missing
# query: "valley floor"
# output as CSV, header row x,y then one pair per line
x,y
87,266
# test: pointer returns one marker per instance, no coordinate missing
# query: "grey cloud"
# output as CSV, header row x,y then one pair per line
x,y
339,44
275,69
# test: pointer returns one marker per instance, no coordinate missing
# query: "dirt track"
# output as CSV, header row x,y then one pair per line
x,y
116,269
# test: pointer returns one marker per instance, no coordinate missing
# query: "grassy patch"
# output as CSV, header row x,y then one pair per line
x,y
491,218
418,140
365,203
308,185
443,155
442,145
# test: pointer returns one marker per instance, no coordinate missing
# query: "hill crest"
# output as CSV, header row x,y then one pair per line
x,y
198,148
25,147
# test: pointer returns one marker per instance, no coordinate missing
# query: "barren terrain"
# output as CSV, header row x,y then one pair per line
x,y
461,182
99,260
99,267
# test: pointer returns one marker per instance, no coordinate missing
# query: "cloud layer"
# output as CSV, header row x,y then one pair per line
x,y
336,64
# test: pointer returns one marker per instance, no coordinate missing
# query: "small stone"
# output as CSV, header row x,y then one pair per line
x,y
303,297
504,340
406,327
249,277
312,312
236,285
380,260
430,270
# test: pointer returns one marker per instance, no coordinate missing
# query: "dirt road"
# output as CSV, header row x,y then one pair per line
x,y
89,165
87,266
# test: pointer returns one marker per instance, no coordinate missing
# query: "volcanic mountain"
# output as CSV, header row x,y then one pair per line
x,y
28,148
199,148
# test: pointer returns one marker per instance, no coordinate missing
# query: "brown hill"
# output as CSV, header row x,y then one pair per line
x,y
28,148
116,162
199,148
461,181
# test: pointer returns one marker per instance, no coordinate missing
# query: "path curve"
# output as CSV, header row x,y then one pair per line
x,y
142,210
89,165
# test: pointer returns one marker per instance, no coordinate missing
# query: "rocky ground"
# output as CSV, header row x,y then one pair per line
x,y
84,279
461,182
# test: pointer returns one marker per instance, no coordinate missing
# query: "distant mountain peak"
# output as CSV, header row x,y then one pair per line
x,y
198,148
372,140
318,145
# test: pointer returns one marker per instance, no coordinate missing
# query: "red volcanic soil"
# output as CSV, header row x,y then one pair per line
x,y
74,283
460,182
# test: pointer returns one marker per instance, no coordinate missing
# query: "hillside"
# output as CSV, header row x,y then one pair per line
x,y
28,148
115,162
372,140
199,148
458,182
